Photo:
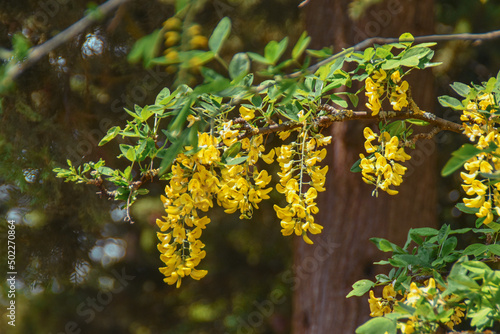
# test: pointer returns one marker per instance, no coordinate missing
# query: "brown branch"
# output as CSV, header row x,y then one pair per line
x,y
341,115
36,53
419,39
103,191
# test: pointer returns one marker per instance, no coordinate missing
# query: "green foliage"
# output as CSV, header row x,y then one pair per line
x,y
479,286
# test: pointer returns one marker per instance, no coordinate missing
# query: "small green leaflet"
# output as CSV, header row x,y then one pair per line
x,y
112,133
360,288
460,156
221,32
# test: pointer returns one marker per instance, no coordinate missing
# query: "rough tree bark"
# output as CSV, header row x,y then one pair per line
x,y
342,254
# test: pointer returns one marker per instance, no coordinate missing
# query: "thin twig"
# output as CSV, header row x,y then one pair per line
x,y
341,115
303,3
36,53
419,39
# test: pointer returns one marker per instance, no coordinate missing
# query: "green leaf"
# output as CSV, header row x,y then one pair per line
x,y
21,46
383,53
301,45
239,66
480,317
128,152
146,113
177,123
465,209
451,102
162,95
323,53
460,156
403,308
219,35
112,133
410,61
391,63
361,287
146,48
258,58
406,39
274,50
180,5
448,246
424,231
418,122
338,100
476,267
105,171
195,58
231,151
168,156
355,168
386,246
290,111
378,325
494,249
461,88
235,161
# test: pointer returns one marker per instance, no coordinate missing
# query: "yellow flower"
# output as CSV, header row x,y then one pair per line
x,y
396,77
172,38
373,92
389,293
283,134
375,306
409,326
475,202
172,23
198,42
247,114
269,157
379,75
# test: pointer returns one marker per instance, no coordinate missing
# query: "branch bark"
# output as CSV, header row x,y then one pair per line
x,y
419,39
341,115
36,53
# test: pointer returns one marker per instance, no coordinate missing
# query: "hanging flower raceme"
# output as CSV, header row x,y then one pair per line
x,y
297,162
380,167
480,126
201,178
399,97
190,190
375,90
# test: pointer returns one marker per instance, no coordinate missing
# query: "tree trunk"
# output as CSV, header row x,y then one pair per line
x,y
342,254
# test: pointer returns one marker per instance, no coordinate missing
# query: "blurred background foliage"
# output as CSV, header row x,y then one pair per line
x,y
73,246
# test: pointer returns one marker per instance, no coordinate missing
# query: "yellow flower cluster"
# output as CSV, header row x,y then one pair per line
x,y
399,98
197,180
385,305
223,169
173,37
297,160
236,189
485,194
190,189
375,90
380,167
382,306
